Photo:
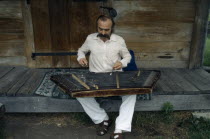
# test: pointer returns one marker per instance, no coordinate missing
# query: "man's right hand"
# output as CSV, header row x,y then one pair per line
x,y
83,62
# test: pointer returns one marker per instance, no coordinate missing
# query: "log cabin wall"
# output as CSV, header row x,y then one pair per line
x,y
158,31
62,26
11,33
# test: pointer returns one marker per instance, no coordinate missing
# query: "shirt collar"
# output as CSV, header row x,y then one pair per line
x,y
112,38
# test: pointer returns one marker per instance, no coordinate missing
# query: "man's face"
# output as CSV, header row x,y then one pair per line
x,y
104,28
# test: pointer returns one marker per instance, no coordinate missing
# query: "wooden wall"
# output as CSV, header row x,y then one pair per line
x,y
159,31
61,26
11,33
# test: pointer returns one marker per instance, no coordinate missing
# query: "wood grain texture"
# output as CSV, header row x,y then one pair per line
x,y
12,49
11,37
83,22
154,32
22,80
13,60
195,79
4,70
10,79
182,56
156,47
75,63
45,104
29,34
41,28
171,84
159,32
10,9
154,11
59,31
28,88
204,74
180,81
162,64
11,33
112,92
10,25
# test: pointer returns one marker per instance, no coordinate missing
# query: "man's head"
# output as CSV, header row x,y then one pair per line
x,y
105,26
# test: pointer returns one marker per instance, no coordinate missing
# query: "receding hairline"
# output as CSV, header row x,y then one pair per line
x,y
105,18
105,21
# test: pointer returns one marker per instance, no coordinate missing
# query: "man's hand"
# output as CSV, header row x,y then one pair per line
x,y
117,65
83,62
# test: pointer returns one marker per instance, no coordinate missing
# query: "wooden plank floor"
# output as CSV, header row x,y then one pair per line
x,y
22,81
185,89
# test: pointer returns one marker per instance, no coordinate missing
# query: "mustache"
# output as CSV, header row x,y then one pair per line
x,y
103,36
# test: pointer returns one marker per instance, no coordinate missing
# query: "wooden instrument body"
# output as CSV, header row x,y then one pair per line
x,y
89,84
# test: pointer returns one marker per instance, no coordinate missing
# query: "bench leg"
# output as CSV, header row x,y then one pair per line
x,y
2,110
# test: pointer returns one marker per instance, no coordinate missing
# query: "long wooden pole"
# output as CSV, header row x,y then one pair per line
x,y
117,80
80,81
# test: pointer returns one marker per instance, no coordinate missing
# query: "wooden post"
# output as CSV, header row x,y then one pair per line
x,y
199,33
117,80
29,35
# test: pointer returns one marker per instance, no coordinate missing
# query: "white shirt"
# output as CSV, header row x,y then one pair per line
x,y
103,55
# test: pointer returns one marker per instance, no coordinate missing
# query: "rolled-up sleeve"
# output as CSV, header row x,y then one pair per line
x,y
125,54
83,50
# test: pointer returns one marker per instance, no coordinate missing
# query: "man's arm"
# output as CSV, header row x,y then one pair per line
x,y
125,54
81,53
126,57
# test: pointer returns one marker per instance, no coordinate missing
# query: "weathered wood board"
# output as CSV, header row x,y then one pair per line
x,y
158,31
45,104
41,29
13,60
32,83
12,50
66,26
10,79
199,33
4,70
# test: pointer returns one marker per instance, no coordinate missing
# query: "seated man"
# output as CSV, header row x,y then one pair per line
x,y
108,52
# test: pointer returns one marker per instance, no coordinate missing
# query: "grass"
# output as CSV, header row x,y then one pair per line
x,y
207,52
147,125
206,61
198,128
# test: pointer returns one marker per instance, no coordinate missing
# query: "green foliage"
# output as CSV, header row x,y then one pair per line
x,y
199,128
207,52
167,110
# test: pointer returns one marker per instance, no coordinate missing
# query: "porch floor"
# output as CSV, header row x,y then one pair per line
x,y
179,86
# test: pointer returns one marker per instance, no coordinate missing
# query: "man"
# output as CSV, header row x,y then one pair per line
x,y
108,53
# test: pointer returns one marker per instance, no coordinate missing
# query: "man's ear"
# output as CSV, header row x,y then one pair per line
x,y
112,31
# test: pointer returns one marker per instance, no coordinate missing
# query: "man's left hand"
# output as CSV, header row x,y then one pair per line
x,y
117,65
